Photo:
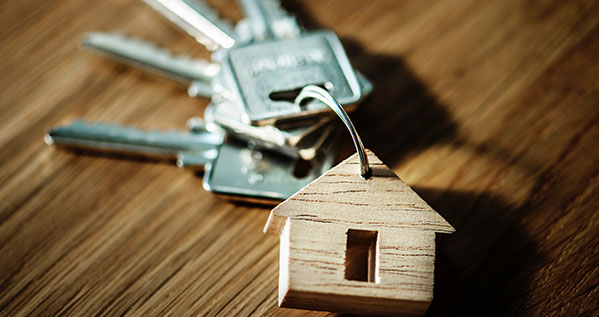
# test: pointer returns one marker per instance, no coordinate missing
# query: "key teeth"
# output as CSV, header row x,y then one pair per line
x,y
141,43
103,41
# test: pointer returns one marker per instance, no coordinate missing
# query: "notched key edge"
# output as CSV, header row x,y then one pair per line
x,y
149,56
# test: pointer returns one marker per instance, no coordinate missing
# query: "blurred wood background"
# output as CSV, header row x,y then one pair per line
x,y
489,109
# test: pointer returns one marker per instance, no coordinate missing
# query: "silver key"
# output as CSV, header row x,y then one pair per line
x,y
253,175
237,171
299,142
148,56
264,77
267,19
202,147
199,20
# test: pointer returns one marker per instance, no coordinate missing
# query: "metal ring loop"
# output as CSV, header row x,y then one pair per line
x,y
312,91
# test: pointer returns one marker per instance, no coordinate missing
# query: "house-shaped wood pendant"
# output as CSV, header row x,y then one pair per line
x,y
356,245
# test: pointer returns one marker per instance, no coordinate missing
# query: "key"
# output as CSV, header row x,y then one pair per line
x,y
267,19
238,172
253,175
202,147
299,142
249,174
198,20
199,73
263,78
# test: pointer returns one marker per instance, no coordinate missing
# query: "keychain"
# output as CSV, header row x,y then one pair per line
x,y
356,242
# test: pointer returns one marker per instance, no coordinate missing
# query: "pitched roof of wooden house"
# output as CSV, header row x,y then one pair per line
x,y
342,196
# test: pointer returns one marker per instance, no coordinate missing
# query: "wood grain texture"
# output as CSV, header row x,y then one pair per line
x,y
488,109
341,224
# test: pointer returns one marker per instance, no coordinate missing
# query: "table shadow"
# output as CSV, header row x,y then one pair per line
x,y
486,266
402,116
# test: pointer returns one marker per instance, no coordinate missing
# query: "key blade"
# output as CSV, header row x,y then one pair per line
x,y
129,140
148,56
198,20
269,20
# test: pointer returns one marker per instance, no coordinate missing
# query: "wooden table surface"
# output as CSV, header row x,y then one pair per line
x,y
489,109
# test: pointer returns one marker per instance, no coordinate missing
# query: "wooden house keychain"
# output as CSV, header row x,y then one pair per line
x,y
355,240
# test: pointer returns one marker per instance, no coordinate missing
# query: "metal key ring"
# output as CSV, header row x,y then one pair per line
x,y
316,92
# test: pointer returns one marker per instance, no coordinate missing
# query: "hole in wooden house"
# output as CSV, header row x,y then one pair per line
x,y
361,258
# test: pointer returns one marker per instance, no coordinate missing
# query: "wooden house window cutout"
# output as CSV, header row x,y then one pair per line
x,y
361,256
357,245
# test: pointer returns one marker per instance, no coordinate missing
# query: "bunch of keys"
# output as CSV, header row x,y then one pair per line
x,y
255,142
